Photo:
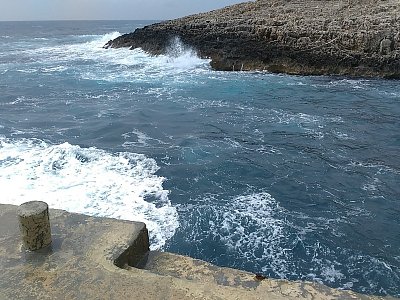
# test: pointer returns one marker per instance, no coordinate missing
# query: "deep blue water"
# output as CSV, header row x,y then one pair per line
x,y
293,177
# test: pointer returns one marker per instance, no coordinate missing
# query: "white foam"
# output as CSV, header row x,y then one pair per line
x,y
380,168
298,83
122,65
138,138
89,181
342,135
361,84
67,52
28,71
330,274
252,226
54,69
181,56
371,187
28,101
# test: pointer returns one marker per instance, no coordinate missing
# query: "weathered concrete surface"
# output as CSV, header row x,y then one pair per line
x,y
81,265
342,37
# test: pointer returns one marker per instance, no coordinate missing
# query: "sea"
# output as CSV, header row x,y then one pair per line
x,y
288,176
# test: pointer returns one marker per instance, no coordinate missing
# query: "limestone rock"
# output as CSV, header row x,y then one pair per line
x,y
354,37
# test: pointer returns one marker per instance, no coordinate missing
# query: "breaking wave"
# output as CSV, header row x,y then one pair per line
x,y
89,181
118,65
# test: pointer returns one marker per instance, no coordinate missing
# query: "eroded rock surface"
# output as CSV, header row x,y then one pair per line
x,y
95,258
350,37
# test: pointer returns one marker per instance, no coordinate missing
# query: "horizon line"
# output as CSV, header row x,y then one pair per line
x,y
74,20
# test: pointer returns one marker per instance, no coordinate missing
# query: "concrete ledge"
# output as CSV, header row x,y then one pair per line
x,y
95,258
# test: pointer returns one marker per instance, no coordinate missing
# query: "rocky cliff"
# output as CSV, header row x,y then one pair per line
x,y
349,37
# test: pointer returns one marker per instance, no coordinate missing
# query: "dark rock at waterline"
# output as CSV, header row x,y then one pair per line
x,y
352,37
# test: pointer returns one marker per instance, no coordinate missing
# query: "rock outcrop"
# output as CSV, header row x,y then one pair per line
x,y
349,37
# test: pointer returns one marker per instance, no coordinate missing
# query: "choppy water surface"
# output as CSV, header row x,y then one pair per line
x,y
292,177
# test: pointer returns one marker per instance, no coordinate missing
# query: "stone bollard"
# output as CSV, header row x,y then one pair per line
x,y
34,224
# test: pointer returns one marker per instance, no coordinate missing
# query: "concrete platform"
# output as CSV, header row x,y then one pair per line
x,y
98,258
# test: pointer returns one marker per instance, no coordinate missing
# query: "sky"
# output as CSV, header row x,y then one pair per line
x,y
31,10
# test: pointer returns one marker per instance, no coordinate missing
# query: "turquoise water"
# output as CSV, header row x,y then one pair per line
x,y
288,176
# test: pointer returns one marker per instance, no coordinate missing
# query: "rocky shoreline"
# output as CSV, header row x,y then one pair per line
x,y
326,37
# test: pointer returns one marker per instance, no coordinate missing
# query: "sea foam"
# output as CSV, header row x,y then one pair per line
x,y
89,181
120,65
